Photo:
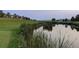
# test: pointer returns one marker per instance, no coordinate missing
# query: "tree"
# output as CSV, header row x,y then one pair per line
x,y
23,17
53,19
1,13
77,17
72,19
15,16
19,17
27,18
8,15
65,19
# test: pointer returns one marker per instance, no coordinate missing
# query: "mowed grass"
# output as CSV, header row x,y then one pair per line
x,y
10,24
7,26
5,37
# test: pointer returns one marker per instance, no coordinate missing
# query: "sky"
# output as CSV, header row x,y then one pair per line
x,y
45,14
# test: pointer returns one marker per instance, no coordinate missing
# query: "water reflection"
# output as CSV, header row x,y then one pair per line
x,y
48,27
63,34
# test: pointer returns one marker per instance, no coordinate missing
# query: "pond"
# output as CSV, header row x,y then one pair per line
x,y
60,36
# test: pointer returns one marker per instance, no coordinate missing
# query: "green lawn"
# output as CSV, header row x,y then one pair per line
x,y
5,37
7,25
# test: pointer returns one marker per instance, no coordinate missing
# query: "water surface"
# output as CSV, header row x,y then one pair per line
x,y
63,34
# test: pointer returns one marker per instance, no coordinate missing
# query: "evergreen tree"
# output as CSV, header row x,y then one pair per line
x,y
77,17
72,19
1,13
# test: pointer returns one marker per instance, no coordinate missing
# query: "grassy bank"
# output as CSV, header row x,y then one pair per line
x,y
8,27
21,37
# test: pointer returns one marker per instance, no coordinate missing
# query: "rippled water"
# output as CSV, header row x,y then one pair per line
x,y
61,32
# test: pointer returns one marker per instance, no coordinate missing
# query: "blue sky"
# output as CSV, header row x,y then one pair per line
x,y
45,14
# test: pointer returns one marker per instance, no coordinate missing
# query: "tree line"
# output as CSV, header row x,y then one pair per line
x,y
76,18
8,15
